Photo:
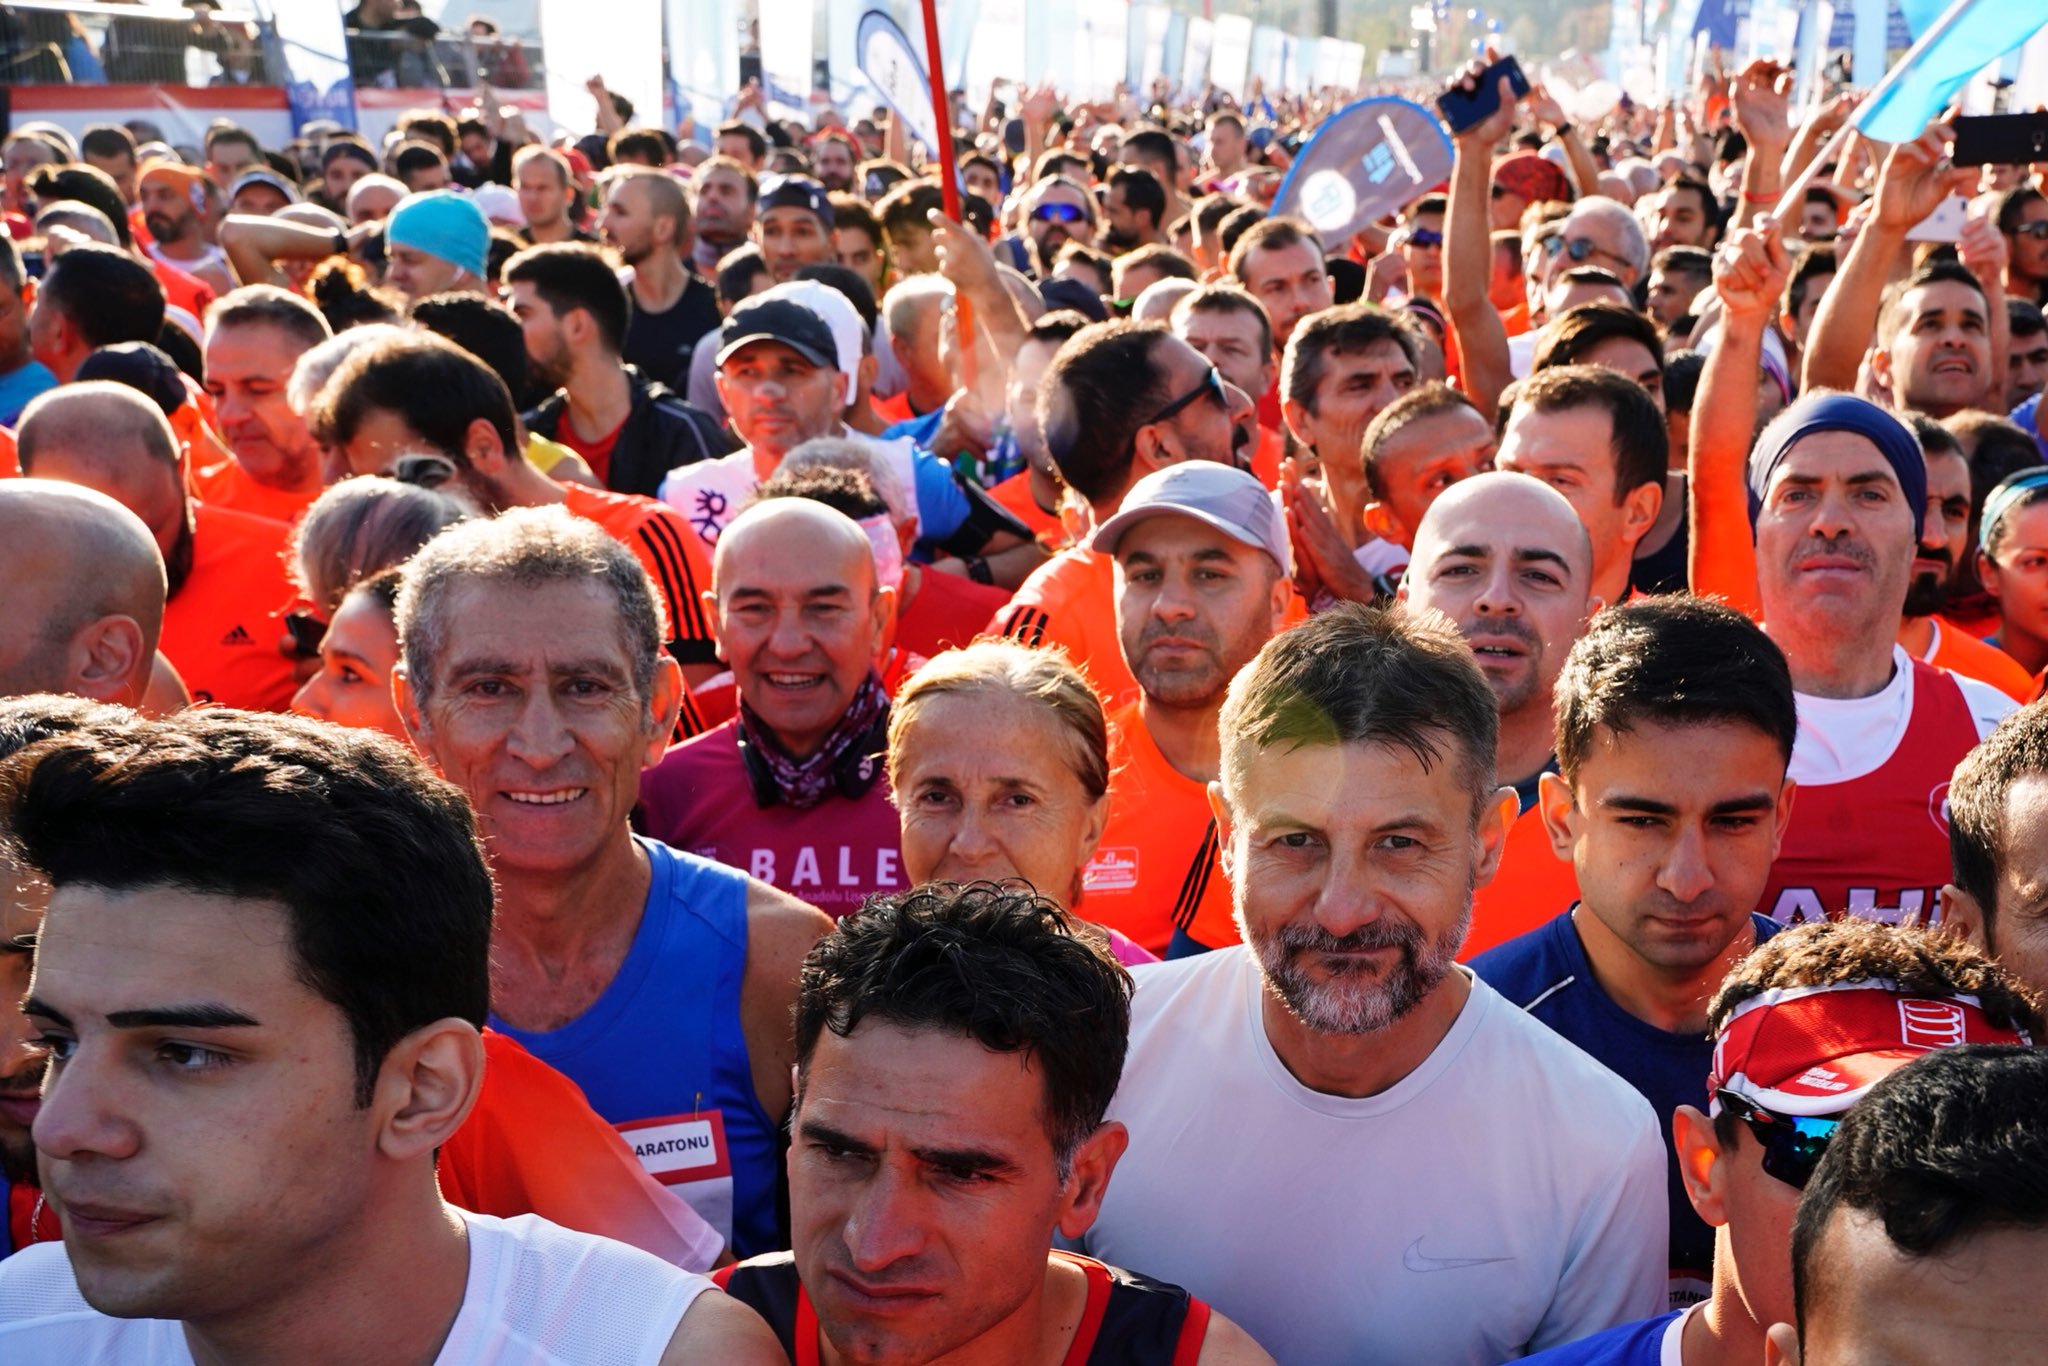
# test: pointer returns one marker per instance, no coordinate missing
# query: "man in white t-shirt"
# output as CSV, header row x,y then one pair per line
x,y
260,982
1339,1137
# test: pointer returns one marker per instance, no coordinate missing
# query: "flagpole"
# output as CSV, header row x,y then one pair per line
x,y
1935,32
949,184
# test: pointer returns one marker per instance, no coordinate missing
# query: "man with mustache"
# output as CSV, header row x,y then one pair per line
x,y
1944,537
1836,494
1675,722
1343,1046
1201,586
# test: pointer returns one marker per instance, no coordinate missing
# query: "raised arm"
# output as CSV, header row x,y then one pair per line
x,y
1916,177
1749,278
1476,328
1761,98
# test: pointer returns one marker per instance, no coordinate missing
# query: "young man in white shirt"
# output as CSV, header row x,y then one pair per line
x,y
260,982
1339,1137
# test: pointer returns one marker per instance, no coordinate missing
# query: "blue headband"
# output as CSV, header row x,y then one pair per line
x,y
2011,492
1841,413
444,224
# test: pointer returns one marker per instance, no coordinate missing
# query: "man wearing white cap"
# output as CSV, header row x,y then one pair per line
x,y
1201,586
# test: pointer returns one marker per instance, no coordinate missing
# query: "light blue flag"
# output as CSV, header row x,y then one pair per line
x,y
1974,33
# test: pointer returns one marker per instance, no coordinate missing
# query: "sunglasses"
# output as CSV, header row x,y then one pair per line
x,y
2037,231
427,471
1058,213
1793,1144
306,631
1578,249
1425,237
1210,387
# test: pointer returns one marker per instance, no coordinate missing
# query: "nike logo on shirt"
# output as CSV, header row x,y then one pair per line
x,y
1414,1260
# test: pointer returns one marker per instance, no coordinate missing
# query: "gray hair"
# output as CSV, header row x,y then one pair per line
x,y
527,548
362,526
851,453
318,365
906,304
1635,245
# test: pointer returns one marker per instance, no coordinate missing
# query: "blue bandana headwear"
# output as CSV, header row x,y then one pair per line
x,y
442,223
1841,413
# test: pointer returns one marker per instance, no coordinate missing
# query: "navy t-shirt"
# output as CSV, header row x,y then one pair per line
x,y
1546,973
1631,1344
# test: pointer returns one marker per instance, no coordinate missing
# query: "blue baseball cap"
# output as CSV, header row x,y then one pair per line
x,y
442,223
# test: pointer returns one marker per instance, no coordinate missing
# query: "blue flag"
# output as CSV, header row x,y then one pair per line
x,y
1367,160
1973,34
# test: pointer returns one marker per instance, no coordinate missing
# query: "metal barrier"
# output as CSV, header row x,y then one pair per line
x,y
47,47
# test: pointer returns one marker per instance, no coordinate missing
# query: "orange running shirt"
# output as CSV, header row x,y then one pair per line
x,y
1013,495
533,1145
10,464
1530,888
1959,652
1157,869
670,553
221,629
226,484
1070,601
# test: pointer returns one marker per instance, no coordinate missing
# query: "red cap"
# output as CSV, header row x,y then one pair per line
x,y
1533,177
1815,1050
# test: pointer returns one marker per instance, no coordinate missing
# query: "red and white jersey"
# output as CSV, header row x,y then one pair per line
x,y
1869,829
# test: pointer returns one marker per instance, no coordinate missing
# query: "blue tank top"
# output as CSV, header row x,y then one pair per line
x,y
661,1054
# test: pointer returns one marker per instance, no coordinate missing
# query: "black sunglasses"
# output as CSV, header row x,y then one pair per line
x,y
2037,231
1793,1144
1211,385
306,631
427,471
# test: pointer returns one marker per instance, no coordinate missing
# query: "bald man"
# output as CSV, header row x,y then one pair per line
x,y
85,599
790,790
1506,558
224,570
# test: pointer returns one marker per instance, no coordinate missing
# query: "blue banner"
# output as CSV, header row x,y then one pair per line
x,y
1367,160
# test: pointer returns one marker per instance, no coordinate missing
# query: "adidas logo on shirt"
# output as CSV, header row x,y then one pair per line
x,y
238,636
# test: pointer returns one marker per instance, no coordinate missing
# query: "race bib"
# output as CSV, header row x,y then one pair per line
x,y
687,1153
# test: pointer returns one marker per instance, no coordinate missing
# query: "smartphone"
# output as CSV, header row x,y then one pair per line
x,y
1461,110
1945,224
2001,139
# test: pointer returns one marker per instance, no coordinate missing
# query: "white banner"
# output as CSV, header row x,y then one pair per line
x,y
625,49
998,54
704,54
1100,41
1195,58
1149,24
1230,56
785,53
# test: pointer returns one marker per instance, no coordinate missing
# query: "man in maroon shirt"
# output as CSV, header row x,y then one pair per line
x,y
790,790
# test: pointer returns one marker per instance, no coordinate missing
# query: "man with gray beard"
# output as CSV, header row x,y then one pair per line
x,y
1340,1138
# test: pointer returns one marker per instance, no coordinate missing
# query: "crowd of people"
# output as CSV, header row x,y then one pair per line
x,y
625,749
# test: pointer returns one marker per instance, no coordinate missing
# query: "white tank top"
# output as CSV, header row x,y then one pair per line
x,y
537,1293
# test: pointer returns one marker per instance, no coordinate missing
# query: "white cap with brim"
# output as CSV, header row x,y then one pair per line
x,y
1231,500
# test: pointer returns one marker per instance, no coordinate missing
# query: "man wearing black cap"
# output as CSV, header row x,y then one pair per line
x,y
793,225
779,378
1836,491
